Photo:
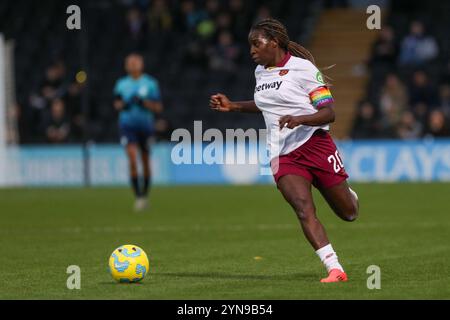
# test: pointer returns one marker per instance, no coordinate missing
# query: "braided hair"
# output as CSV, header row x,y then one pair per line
x,y
275,30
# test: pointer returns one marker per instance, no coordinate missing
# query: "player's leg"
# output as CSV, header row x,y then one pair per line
x,y
147,174
144,149
297,192
130,139
132,154
342,200
330,177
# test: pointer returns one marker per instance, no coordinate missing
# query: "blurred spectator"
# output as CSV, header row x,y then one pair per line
x,y
207,27
385,49
418,48
444,99
195,54
52,87
365,125
57,126
393,101
240,19
445,76
74,111
223,22
225,54
420,111
189,17
408,127
437,125
159,17
422,90
212,8
262,13
135,24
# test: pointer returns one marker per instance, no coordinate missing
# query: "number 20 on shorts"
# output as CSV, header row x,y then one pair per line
x,y
335,159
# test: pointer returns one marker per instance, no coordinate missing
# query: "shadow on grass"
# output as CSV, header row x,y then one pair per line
x,y
124,284
228,276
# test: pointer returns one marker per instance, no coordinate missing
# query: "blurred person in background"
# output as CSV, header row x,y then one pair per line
x,y
418,48
224,22
57,125
422,90
444,99
136,29
365,125
51,87
225,54
138,99
394,96
421,111
159,17
262,14
384,50
240,18
72,100
207,27
437,125
393,101
189,16
445,75
408,127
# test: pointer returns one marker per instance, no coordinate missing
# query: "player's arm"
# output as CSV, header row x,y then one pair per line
x,y
220,102
324,115
153,106
152,101
118,103
322,100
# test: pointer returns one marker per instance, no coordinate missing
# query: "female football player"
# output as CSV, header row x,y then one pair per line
x,y
297,107
137,98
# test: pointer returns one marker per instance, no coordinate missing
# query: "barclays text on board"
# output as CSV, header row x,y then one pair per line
x,y
365,161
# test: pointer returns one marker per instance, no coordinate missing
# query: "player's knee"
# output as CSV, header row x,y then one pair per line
x,y
351,213
304,209
305,214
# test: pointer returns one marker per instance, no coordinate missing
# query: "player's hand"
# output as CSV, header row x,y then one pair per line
x,y
119,104
220,102
137,100
290,121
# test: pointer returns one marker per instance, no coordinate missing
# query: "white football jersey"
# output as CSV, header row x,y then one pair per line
x,y
284,90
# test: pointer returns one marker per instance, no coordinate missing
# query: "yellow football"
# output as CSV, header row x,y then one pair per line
x,y
128,263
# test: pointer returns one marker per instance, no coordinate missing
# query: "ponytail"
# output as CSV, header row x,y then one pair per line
x,y
298,50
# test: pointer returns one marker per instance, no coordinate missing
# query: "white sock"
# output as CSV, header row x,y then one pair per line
x,y
329,258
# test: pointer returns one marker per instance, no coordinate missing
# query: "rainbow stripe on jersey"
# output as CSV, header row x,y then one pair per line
x,y
320,97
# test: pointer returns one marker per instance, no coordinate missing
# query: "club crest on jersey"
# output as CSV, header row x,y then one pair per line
x,y
273,85
283,72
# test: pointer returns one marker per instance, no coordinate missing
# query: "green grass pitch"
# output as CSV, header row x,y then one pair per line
x,y
202,243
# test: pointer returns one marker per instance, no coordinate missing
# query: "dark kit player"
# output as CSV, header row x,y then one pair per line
x,y
137,98
297,107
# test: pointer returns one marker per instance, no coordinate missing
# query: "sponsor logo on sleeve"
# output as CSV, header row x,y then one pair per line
x,y
319,77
